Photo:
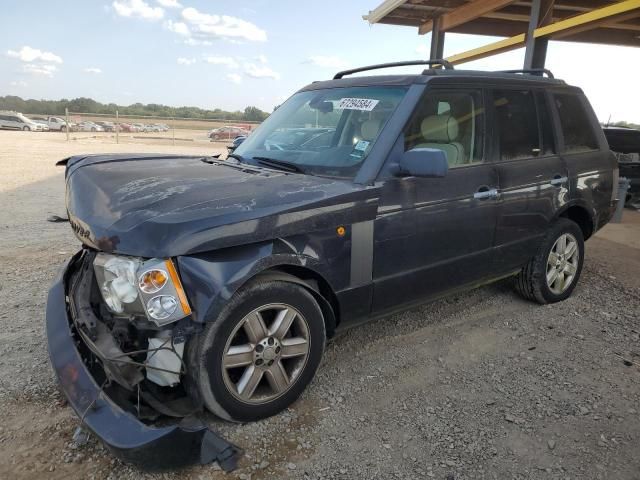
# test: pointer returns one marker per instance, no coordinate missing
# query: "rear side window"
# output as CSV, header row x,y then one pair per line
x,y
576,128
517,124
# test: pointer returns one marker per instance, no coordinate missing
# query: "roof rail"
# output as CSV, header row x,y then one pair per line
x,y
538,71
437,61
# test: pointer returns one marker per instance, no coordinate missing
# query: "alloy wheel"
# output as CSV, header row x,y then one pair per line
x,y
265,353
562,263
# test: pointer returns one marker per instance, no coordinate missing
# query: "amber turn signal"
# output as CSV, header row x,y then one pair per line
x,y
184,303
153,280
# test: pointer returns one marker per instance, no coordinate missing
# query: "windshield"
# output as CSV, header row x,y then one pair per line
x,y
324,132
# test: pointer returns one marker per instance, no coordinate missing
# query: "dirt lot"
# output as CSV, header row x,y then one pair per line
x,y
481,385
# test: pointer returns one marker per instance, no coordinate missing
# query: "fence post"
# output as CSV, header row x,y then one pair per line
x,y
66,117
173,129
117,127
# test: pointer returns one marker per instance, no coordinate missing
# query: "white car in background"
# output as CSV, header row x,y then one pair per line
x,y
88,127
57,124
17,121
44,123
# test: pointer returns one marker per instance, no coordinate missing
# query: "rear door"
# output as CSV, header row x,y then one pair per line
x,y
533,176
584,149
434,235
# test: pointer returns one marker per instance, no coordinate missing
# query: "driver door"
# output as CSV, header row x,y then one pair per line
x,y
435,235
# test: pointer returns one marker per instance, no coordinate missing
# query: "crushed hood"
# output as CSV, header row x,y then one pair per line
x,y
165,205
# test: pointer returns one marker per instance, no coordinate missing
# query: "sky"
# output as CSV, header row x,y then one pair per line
x,y
231,54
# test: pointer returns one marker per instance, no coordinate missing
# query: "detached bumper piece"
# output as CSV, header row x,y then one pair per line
x,y
189,441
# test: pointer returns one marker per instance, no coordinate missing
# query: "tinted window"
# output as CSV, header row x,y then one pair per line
x,y
452,121
576,128
517,123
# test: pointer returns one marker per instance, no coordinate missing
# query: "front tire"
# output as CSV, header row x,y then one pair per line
x,y
261,353
553,273
26,129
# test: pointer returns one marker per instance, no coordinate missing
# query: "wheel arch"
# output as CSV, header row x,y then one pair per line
x,y
211,281
581,215
314,283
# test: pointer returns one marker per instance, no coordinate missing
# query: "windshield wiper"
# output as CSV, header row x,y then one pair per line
x,y
279,164
236,156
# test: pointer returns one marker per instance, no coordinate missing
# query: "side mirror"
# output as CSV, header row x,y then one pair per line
x,y
423,162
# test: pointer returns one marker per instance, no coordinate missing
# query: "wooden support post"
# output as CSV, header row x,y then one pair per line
x,y
437,39
536,48
66,119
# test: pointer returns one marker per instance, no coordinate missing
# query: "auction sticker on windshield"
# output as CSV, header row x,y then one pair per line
x,y
364,104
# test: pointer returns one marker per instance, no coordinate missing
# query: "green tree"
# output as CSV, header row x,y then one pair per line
x,y
88,105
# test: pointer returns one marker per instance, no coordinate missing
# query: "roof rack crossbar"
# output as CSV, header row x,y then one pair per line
x,y
539,71
437,61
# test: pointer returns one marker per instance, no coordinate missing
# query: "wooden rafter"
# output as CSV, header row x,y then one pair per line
x,y
465,13
573,26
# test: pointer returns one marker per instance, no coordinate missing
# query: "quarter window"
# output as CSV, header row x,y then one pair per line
x,y
576,128
451,121
517,124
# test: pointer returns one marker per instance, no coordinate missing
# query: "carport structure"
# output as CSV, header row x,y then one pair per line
x,y
529,23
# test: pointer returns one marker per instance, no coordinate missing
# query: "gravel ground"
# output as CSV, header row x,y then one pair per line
x,y
479,385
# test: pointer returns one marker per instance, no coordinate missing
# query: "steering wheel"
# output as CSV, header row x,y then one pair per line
x,y
273,146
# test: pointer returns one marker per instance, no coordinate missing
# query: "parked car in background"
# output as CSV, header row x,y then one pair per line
x,y
44,123
127,127
107,126
139,127
625,143
227,133
87,126
57,124
17,121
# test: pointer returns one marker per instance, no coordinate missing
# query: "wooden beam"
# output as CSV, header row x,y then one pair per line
x,y
382,10
465,13
580,25
606,36
589,20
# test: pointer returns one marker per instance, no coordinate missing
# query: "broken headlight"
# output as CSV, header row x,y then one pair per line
x,y
132,286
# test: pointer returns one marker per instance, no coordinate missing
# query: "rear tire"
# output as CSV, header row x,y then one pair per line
x,y
26,129
553,273
245,371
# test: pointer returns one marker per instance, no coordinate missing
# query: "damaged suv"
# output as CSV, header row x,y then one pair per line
x,y
208,283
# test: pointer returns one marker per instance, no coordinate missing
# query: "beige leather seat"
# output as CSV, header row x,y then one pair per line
x,y
441,131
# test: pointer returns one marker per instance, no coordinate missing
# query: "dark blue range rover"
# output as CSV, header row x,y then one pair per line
x,y
208,283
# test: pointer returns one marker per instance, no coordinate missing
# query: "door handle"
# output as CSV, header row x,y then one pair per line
x,y
558,180
485,193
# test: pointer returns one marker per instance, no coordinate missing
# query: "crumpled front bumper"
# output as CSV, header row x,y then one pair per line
x,y
187,442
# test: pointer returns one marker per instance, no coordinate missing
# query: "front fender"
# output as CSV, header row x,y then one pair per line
x,y
211,279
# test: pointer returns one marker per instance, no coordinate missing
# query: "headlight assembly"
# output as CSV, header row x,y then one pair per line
x,y
131,286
